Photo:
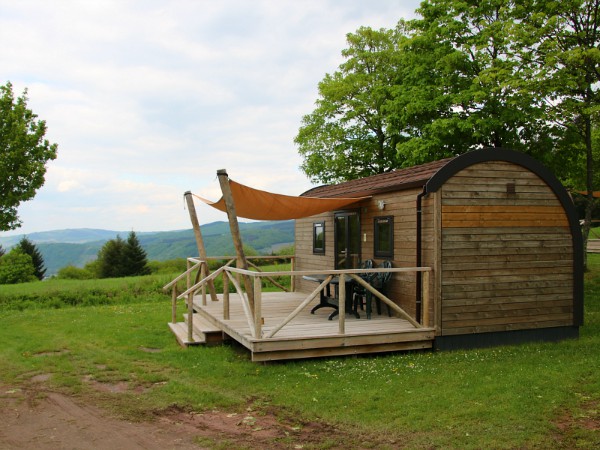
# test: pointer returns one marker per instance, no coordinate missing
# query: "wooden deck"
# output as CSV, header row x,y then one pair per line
x,y
307,335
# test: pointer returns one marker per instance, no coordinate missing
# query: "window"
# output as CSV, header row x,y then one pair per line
x,y
319,237
384,237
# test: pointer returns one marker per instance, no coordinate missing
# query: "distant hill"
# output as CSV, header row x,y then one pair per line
x,y
77,247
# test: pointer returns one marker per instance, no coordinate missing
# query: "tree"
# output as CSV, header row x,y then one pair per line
x,y
29,248
110,259
16,267
462,84
119,258
23,155
2,251
562,40
135,261
347,135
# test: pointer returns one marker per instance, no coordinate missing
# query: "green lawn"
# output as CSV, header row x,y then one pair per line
x,y
530,396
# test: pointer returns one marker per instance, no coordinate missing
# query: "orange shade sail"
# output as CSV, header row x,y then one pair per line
x,y
255,204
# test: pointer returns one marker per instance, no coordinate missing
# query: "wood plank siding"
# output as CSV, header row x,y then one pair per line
x,y
506,252
499,232
401,205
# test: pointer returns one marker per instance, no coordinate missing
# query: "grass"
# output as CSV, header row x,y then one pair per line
x,y
542,395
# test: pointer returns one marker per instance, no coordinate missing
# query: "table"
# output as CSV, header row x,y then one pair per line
x,y
324,299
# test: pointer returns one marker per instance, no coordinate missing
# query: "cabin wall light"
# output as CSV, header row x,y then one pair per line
x,y
381,205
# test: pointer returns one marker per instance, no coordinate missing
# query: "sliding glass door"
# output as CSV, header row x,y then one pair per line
x,y
347,240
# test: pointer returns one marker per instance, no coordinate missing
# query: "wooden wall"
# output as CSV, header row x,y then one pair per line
x,y
506,255
402,207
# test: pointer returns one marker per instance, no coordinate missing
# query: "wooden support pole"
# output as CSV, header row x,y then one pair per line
x,y
242,263
199,241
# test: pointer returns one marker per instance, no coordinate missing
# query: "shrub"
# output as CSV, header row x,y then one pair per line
x,y
74,273
16,267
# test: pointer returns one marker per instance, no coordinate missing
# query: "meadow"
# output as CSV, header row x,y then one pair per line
x,y
539,395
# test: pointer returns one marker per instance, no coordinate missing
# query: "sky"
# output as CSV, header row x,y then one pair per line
x,y
147,99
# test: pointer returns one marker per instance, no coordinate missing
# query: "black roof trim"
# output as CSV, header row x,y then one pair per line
x,y
503,154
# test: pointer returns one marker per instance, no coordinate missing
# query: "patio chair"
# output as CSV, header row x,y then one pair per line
x,y
359,292
380,282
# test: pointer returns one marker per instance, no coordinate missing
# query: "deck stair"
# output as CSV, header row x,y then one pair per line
x,y
204,333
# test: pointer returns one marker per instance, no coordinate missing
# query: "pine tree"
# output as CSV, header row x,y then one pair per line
x,y
29,248
2,251
110,259
135,261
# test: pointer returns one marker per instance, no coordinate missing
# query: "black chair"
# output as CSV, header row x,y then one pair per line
x,y
380,282
359,292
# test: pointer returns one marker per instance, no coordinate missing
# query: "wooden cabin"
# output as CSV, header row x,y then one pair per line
x,y
498,229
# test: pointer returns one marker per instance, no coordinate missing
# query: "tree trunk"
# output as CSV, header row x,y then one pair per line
x,y
589,184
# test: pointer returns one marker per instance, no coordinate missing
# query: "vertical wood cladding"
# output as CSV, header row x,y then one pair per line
x,y
507,252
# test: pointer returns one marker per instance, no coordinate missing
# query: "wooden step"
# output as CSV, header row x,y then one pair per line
x,y
211,333
180,330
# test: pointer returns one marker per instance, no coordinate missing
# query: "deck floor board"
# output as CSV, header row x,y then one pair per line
x,y
310,335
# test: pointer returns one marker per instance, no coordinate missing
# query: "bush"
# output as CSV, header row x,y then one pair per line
x,y
16,267
74,273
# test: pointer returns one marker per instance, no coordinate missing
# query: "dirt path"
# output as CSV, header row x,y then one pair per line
x,y
43,419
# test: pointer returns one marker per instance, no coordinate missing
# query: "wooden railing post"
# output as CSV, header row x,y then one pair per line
x,y
342,304
202,276
188,277
425,301
190,317
258,306
225,295
174,304
292,277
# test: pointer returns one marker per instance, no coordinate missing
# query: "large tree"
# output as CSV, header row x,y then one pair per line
x,y
347,135
23,155
562,41
37,259
462,88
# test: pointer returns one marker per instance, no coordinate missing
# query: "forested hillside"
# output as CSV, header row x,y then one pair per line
x,y
77,247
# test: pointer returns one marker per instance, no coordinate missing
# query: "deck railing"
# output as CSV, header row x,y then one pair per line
x,y
201,269
254,316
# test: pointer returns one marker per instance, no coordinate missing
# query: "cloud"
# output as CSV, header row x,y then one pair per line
x,y
147,99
